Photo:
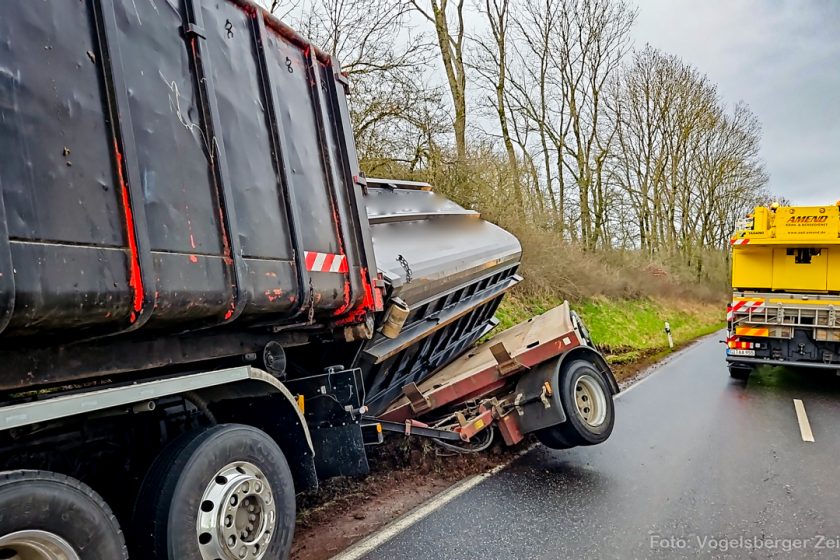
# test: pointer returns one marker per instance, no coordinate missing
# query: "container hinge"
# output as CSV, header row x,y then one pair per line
x,y
419,402
506,363
191,30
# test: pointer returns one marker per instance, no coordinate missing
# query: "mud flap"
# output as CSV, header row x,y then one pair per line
x,y
332,406
340,451
537,401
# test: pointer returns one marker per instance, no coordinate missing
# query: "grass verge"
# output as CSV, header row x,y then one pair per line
x,y
627,331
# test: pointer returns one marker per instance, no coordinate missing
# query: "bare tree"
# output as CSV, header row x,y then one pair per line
x,y
395,113
534,95
491,65
589,41
450,39
688,168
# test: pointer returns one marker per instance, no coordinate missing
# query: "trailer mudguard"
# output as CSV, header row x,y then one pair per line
x,y
537,399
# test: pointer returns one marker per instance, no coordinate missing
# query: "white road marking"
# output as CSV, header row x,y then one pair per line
x,y
371,543
804,424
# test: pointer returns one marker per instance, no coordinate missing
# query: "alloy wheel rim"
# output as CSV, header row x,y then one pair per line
x,y
236,515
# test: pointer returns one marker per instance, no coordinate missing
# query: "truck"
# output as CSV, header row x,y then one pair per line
x,y
206,307
786,290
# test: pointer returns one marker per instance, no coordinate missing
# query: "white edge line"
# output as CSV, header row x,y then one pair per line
x,y
374,541
371,543
802,418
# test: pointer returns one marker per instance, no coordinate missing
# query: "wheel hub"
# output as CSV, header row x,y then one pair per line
x,y
35,545
237,514
590,401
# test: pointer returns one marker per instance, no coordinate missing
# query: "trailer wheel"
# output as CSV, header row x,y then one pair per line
x,y
739,372
224,492
48,516
587,401
553,439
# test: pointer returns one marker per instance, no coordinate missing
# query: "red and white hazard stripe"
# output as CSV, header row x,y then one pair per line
x,y
743,306
737,344
743,241
325,262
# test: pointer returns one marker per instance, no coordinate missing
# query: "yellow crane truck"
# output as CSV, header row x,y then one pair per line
x,y
785,307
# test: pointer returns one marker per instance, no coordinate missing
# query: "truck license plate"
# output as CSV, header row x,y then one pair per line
x,y
734,352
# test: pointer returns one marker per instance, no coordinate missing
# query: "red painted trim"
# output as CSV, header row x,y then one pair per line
x,y
487,380
135,280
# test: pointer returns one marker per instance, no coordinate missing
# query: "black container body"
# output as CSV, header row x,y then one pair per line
x,y
173,166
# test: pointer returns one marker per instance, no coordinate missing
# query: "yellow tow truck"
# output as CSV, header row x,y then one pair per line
x,y
785,307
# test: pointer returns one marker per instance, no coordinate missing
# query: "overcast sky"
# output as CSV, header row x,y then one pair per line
x,y
780,56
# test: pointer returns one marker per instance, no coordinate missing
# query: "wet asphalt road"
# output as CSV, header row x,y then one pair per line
x,y
695,458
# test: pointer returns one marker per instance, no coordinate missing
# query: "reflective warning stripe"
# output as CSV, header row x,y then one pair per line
x,y
744,241
734,343
750,331
743,306
325,262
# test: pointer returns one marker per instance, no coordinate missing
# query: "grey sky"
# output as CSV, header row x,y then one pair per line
x,y
780,56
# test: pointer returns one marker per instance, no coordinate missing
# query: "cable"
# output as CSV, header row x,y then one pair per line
x,y
459,450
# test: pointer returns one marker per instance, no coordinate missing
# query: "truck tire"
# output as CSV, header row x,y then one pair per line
x,y
588,403
740,372
44,515
219,492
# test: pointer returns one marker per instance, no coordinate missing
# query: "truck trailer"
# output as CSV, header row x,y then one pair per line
x,y
206,307
786,290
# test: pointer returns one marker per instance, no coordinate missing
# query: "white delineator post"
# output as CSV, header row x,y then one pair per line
x,y
668,332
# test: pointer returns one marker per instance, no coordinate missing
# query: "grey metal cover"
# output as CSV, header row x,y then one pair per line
x,y
450,266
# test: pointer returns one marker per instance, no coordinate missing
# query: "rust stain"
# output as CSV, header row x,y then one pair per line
x,y
274,294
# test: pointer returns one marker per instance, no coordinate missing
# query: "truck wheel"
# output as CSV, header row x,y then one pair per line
x,y
739,372
589,408
48,516
224,492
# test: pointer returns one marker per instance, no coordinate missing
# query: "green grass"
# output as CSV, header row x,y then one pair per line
x,y
627,330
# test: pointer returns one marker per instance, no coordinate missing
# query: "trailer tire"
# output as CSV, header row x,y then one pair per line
x,y
553,439
588,403
42,510
194,502
740,372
